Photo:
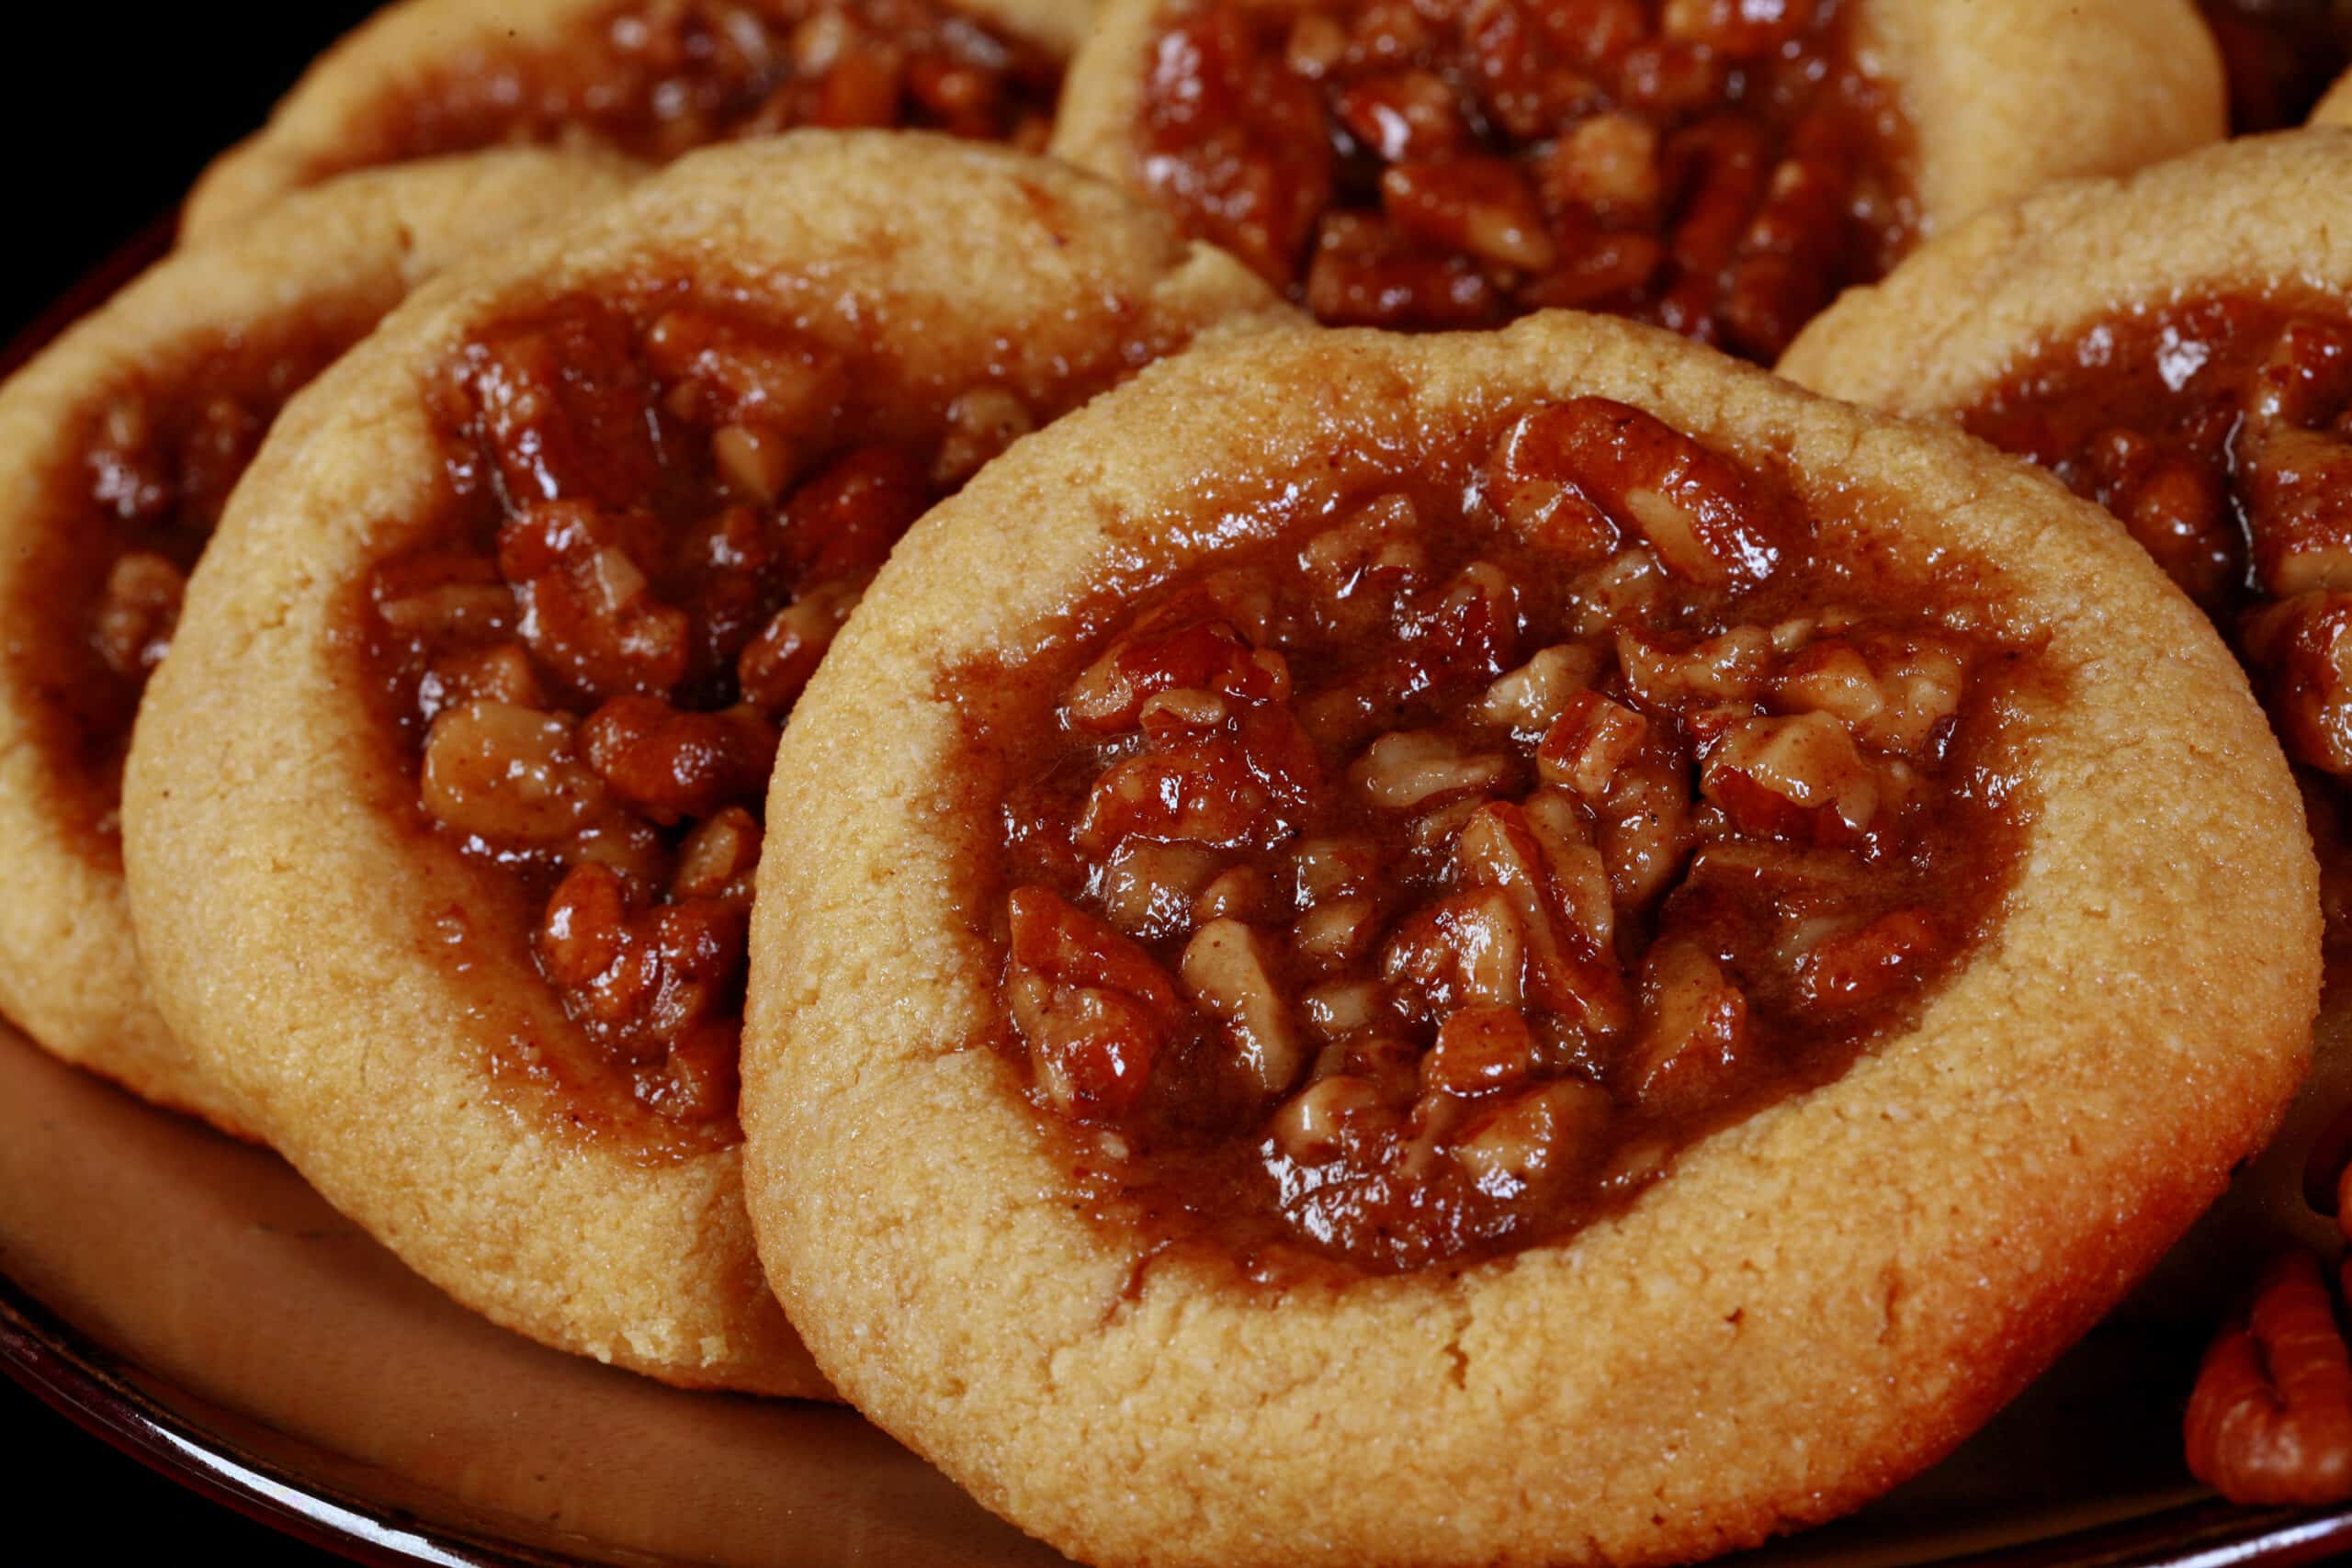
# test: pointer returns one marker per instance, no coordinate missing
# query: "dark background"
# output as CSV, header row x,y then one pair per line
x,y
106,124
111,120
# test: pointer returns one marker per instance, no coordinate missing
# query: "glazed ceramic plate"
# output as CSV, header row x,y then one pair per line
x,y
190,1299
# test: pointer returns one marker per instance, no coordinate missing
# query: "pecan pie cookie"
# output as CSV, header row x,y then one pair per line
x,y
443,816
119,447
1509,947
653,78
2176,346
1717,168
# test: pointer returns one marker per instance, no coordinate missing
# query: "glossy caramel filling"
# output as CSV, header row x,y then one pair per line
x,y
664,505
126,505
658,78
1708,167
2220,432
1410,887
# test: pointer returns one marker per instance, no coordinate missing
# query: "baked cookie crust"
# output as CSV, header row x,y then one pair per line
x,y
2335,107
340,257
323,125
287,908
1817,1302
2250,216
2001,95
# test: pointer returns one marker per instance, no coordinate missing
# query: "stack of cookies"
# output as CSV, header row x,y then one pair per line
x,y
1142,736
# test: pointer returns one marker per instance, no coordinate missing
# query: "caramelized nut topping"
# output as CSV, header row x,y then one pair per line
x,y
132,496
658,78
2220,432
1720,169
1410,887
664,509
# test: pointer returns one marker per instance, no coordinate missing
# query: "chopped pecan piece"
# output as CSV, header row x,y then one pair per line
x,y
1190,645
1858,968
2301,650
1614,463
1479,1050
1540,1133
1228,968
1569,969
589,612
1798,778
1588,743
1532,696
1404,770
561,401
1465,949
667,762
1093,1006
1479,206
1695,1037
139,612
776,665
1316,1124
648,983
509,774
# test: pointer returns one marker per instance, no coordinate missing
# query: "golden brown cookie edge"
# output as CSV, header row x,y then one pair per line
x,y
981,1323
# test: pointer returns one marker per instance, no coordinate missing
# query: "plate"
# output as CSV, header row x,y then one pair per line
x,y
190,1299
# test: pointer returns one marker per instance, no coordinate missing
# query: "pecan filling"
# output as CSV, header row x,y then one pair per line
x,y
130,503
664,509
2220,432
1720,169
2280,55
1412,888
658,78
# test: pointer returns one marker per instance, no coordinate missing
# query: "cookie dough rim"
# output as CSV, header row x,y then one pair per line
x,y
521,1221
69,974
2334,107
2270,214
1991,102
301,141
957,1302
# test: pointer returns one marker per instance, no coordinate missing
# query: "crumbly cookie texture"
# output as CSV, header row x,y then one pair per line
x,y
320,127
1815,1303
294,924
2336,109
340,257
2250,215
2001,95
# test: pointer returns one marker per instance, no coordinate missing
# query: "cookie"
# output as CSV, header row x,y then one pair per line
x,y
441,819
2183,379
651,79
1335,1007
119,445
1717,169
2335,106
